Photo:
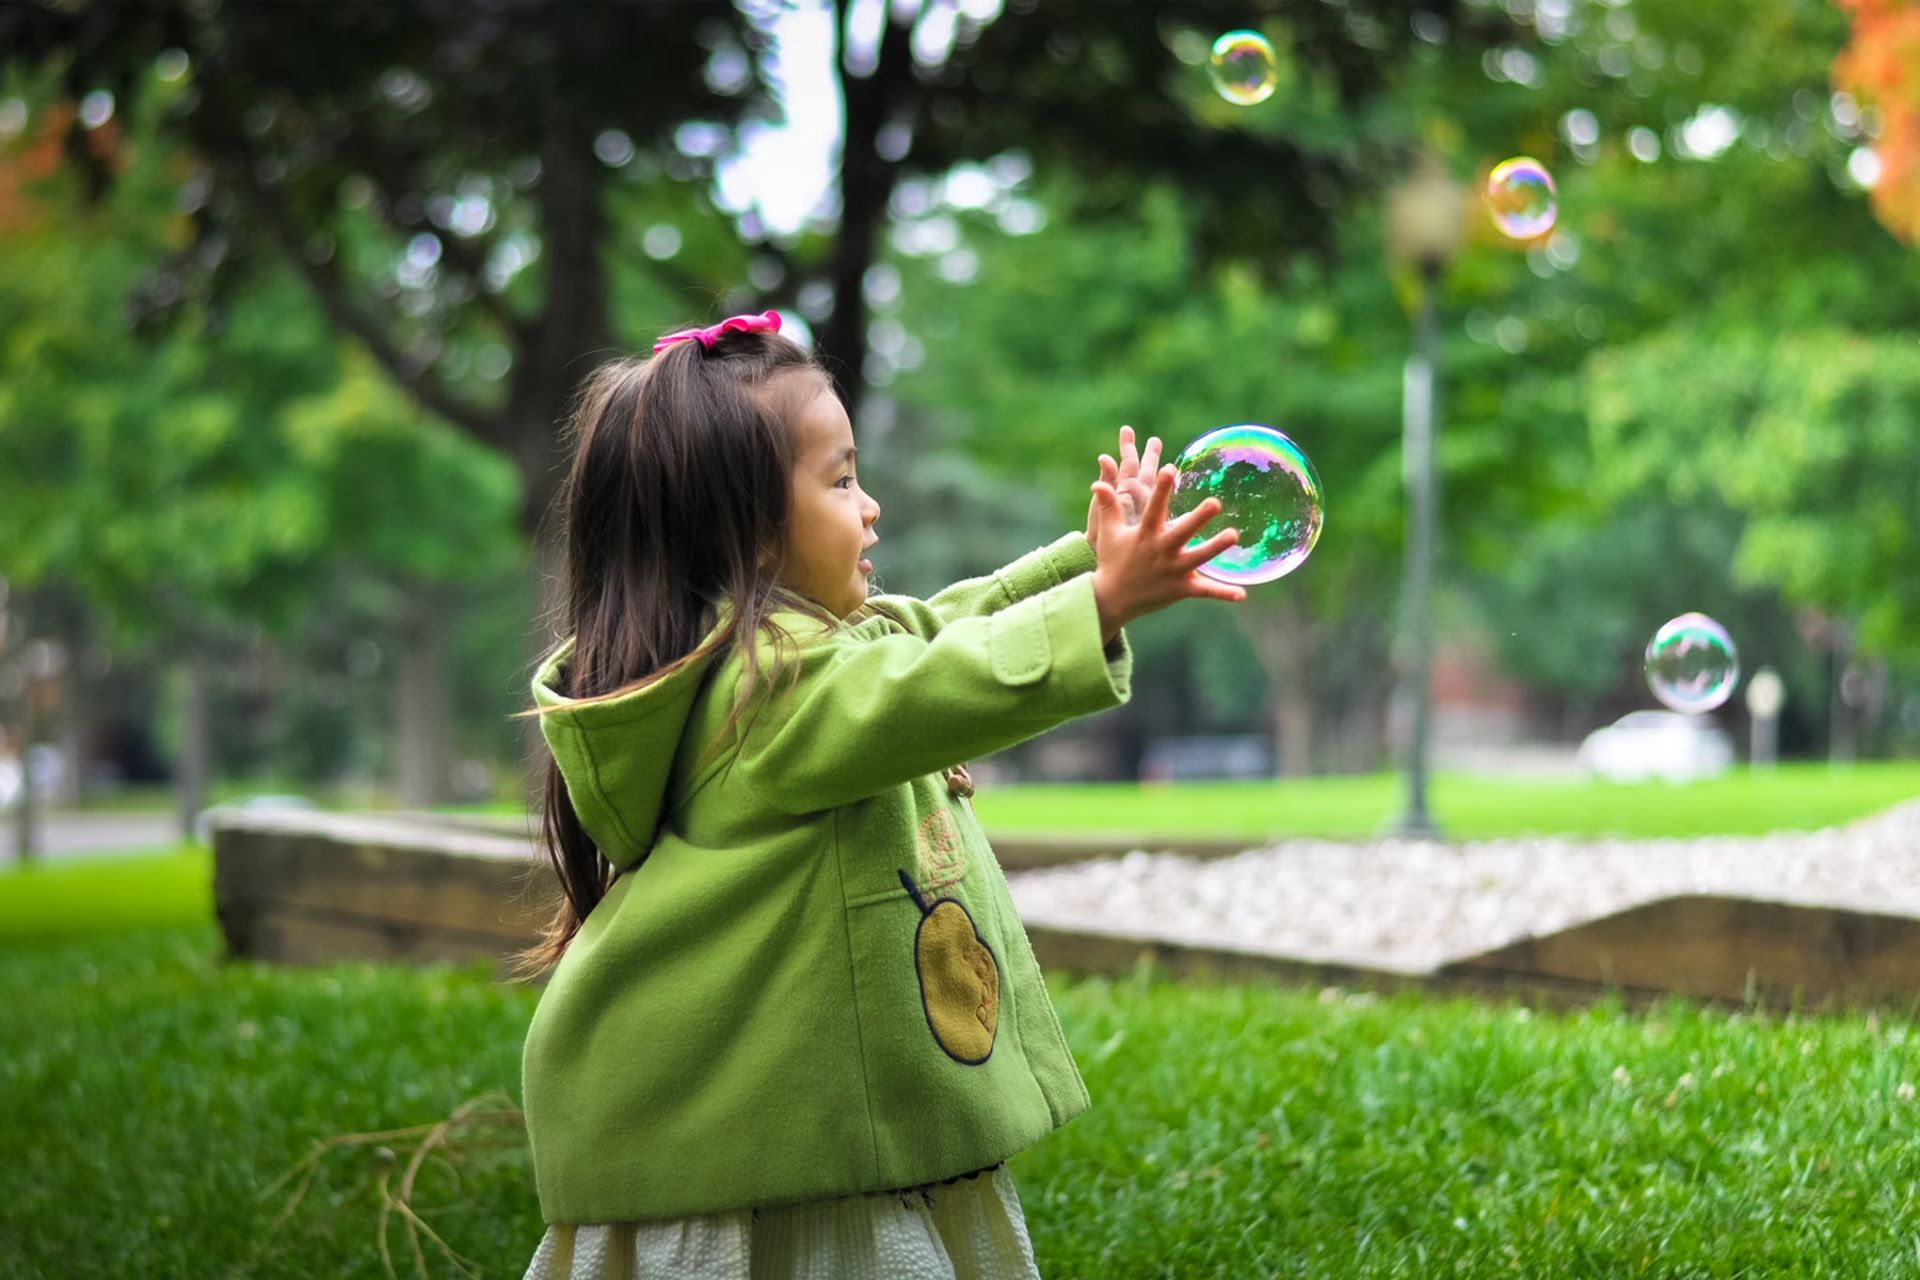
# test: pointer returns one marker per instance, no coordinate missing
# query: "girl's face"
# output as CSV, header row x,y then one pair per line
x,y
832,516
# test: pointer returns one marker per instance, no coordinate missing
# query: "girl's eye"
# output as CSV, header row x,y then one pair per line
x,y
843,480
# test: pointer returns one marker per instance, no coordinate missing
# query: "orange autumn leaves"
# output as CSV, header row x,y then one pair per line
x,y
1881,65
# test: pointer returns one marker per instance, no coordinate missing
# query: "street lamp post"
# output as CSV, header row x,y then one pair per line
x,y
1424,228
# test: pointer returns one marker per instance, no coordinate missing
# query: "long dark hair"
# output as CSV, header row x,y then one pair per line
x,y
690,439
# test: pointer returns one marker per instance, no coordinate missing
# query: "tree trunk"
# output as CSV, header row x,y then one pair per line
x,y
1353,682
29,679
26,815
574,331
554,354
72,729
1286,639
866,185
548,629
1840,726
421,713
1370,724
190,770
40,707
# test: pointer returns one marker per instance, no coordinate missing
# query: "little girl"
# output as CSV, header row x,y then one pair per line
x,y
793,1026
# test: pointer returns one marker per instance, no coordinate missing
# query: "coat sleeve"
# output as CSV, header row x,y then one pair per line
x,y
1066,557
866,713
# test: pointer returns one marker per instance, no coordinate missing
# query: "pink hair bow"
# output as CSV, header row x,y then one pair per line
x,y
767,322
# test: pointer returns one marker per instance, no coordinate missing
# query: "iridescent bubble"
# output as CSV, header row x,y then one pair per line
x,y
1521,198
1243,68
1692,665
1267,490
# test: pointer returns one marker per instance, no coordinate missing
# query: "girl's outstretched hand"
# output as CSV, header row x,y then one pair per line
x,y
1144,567
1130,478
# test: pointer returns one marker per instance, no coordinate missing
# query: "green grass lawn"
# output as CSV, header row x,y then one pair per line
x,y
1798,797
1794,797
148,1093
103,893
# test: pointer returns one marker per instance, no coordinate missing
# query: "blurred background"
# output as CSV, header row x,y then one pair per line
x,y
293,299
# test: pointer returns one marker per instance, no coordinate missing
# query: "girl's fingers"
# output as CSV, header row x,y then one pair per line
x,y
1129,460
1193,521
1206,588
1208,550
1150,460
1155,515
1107,469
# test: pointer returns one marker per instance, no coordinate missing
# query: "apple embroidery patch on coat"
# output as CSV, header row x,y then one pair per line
x,y
959,978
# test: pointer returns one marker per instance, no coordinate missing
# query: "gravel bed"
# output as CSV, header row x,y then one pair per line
x,y
1411,905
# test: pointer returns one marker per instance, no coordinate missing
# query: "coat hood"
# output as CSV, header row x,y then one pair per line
x,y
618,756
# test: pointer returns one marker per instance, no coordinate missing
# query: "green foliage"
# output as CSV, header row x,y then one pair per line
x,y
406,494
1814,439
1581,596
1094,321
1168,288
1153,340
196,478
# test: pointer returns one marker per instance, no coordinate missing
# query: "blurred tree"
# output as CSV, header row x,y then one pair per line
x,y
1065,332
414,161
1813,439
1694,158
1708,194
464,186
201,488
437,173
1704,172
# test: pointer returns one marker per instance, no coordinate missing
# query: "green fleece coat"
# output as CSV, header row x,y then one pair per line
x,y
808,979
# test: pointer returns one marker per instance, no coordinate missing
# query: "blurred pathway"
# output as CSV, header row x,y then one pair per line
x,y
66,836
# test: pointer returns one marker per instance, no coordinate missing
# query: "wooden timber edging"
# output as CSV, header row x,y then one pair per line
x,y
307,886
1725,949
1721,950
1085,952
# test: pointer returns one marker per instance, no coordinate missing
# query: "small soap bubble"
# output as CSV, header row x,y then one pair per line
x,y
1692,665
1521,198
1268,491
1243,68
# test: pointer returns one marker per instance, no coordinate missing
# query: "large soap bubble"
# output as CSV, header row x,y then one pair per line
x,y
1243,68
1268,490
1691,663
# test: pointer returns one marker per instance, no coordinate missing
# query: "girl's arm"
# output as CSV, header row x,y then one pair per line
x,y
868,714
1066,557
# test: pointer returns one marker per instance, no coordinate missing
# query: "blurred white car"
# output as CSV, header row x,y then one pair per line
x,y
1657,744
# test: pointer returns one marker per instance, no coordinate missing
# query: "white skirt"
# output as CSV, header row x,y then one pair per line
x,y
968,1229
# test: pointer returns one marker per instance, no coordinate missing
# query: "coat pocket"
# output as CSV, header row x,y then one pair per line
x,y
1018,650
